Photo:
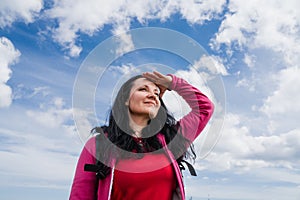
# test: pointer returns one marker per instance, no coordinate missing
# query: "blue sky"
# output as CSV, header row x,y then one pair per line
x,y
250,71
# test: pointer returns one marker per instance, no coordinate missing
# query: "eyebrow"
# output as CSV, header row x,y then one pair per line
x,y
157,89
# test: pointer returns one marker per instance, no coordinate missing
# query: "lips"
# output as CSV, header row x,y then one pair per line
x,y
150,103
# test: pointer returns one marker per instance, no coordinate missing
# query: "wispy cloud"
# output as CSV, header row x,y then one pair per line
x,y
43,142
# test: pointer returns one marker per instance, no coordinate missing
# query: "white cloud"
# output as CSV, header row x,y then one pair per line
x,y
283,106
81,16
176,103
47,153
53,116
246,83
272,24
84,121
125,70
8,56
286,98
200,11
242,185
125,44
213,63
74,50
90,16
249,60
239,150
198,79
22,92
37,163
179,108
56,115
15,10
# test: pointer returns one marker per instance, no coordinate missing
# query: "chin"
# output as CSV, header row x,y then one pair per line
x,y
152,115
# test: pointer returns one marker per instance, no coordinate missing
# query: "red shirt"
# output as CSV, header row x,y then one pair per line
x,y
151,177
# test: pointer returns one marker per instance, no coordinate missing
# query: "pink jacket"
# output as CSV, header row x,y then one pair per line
x,y
84,183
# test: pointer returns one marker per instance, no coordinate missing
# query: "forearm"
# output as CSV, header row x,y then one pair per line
x,y
201,106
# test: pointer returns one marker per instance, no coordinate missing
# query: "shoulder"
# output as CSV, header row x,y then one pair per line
x,y
90,145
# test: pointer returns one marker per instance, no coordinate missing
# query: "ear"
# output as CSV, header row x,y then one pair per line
x,y
126,103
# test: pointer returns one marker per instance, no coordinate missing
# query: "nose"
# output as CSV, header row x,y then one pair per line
x,y
152,96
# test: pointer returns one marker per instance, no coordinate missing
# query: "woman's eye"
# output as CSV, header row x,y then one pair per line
x,y
145,89
142,89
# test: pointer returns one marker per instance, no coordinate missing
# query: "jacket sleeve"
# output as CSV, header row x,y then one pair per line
x,y
84,183
202,108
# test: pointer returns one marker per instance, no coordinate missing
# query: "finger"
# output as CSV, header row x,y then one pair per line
x,y
155,74
158,74
150,76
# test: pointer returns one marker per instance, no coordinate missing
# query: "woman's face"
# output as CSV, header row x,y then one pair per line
x,y
143,98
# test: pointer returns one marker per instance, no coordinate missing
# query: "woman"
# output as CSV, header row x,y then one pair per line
x,y
145,147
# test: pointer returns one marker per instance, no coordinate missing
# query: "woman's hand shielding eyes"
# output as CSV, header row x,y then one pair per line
x,y
162,81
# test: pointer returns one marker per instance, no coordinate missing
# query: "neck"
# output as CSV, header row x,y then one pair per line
x,y
137,123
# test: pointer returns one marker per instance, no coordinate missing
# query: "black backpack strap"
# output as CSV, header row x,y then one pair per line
x,y
99,168
100,172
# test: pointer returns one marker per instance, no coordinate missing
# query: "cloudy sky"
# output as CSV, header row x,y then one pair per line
x,y
250,70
